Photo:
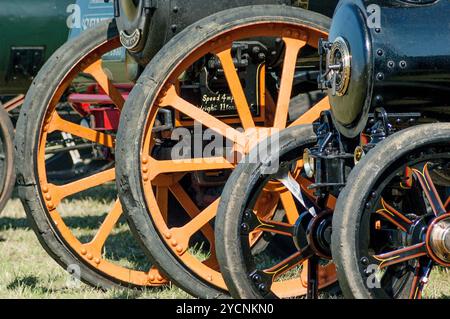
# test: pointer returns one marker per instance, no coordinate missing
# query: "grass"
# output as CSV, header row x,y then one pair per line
x,y
26,271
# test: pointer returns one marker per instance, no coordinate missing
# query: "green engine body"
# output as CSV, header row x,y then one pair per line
x,y
32,30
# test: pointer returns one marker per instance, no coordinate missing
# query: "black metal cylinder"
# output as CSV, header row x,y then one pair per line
x,y
146,25
400,59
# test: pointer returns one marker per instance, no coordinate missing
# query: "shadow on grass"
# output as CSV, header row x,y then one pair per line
x,y
13,223
106,192
27,281
122,246
85,222
32,283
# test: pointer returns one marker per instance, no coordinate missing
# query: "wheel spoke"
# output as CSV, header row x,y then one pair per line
x,y
236,89
429,189
253,223
174,100
106,228
293,47
97,72
56,193
421,277
181,236
400,255
289,263
59,124
266,207
447,203
162,197
394,216
287,200
313,113
187,165
191,209
267,204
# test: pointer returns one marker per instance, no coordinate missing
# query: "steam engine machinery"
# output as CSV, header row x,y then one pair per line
x,y
390,227
23,50
385,69
31,32
234,76
224,71
382,74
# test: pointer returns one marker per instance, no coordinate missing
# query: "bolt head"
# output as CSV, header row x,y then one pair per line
x,y
245,227
365,261
262,287
380,76
256,278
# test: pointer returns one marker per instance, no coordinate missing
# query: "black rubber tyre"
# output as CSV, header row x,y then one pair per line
x,y
29,124
7,173
128,149
235,197
349,208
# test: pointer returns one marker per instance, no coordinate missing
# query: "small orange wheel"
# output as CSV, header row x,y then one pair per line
x,y
49,115
157,209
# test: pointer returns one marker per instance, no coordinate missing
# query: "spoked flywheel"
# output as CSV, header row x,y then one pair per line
x,y
210,95
305,267
391,229
66,133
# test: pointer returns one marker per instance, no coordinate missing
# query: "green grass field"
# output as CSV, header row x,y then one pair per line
x,y
27,272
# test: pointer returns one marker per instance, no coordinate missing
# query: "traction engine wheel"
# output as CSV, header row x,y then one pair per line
x,y
306,267
45,117
7,176
391,226
154,188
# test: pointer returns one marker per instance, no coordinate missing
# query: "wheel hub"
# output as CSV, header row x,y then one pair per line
x,y
314,232
439,238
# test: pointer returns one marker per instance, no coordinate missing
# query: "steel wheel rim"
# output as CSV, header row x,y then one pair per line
x,y
412,174
174,239
52,195
327,272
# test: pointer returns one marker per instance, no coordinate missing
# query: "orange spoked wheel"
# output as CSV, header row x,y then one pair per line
x,y
229,79
305,265
65,151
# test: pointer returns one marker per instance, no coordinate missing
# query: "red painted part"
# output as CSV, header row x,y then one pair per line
x,y
106,118
103,99
14,103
